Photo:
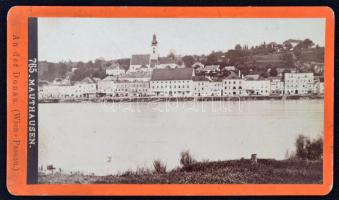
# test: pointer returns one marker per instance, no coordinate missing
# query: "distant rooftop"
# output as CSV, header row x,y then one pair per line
x,y
140,59
172,74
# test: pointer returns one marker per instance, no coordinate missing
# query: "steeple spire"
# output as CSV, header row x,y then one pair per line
x,y
154,41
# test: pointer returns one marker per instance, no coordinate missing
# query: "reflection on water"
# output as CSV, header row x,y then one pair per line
x,y
115,137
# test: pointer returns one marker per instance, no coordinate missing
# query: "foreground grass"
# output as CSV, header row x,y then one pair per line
x,y
218,172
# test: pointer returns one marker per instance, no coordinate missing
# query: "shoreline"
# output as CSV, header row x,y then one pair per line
x,y
242,171
166,99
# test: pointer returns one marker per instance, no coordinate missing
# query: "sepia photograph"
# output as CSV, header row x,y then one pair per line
x,y
179,100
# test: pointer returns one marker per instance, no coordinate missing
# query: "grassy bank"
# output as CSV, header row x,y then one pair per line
x,y
218,172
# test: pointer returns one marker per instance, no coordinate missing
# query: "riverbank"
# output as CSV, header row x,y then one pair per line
x,y
218,172
164,99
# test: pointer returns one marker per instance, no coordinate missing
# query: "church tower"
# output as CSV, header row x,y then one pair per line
x,y
154,58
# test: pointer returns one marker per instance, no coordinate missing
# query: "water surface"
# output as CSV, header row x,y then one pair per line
x,y
110,138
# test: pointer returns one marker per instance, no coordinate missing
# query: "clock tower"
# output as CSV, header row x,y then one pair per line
x,y
154,58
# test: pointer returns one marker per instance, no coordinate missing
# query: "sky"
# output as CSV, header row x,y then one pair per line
x,y
84,39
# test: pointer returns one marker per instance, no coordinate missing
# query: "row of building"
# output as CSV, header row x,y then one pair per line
x,y
182,82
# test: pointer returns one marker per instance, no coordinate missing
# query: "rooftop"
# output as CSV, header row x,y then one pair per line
x,y
140,59
172,74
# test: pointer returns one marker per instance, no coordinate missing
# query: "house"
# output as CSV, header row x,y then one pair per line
x,y
139,89
209,68
199,85
298,83
232,85
230,68
172,82
138,61
115,70
167,62
107,86
197,65
318,85
257,87
86,88
203,86
214,88
276,86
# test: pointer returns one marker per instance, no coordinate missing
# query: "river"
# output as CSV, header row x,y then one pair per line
x,y
107,138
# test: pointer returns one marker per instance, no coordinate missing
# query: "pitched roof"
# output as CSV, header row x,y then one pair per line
x,y
167,60
114,66
209,68
200,78
110,78
252,77
88,80
172,74
232,75
140,59
137,75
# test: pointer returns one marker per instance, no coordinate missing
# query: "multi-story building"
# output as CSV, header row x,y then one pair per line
x,y
86,88
233,85
277,86
107,86
172,82
257,87
298,83
203,86
139,88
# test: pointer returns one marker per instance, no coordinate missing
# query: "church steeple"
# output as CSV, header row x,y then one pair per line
x,y
154,41
154,52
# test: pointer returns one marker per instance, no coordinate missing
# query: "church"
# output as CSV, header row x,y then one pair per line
x,y
148,62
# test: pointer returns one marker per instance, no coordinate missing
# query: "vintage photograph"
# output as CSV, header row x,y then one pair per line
x,y
180,100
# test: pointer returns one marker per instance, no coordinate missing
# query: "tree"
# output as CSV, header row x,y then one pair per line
x,y
237,47
300,145
287,59
188,61
288,45
308,149
212,59
273,72
307,43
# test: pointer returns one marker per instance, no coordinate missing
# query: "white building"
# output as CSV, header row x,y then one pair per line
x,y
233,85
318,85
86,88
204,87
298,83
107,86
172,82
115,70
257,87
277,86
209,68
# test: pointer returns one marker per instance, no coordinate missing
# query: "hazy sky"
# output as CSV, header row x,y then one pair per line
x,y
84,39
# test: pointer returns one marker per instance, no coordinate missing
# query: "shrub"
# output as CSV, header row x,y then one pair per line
x,y
186,158
159,166
309,149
